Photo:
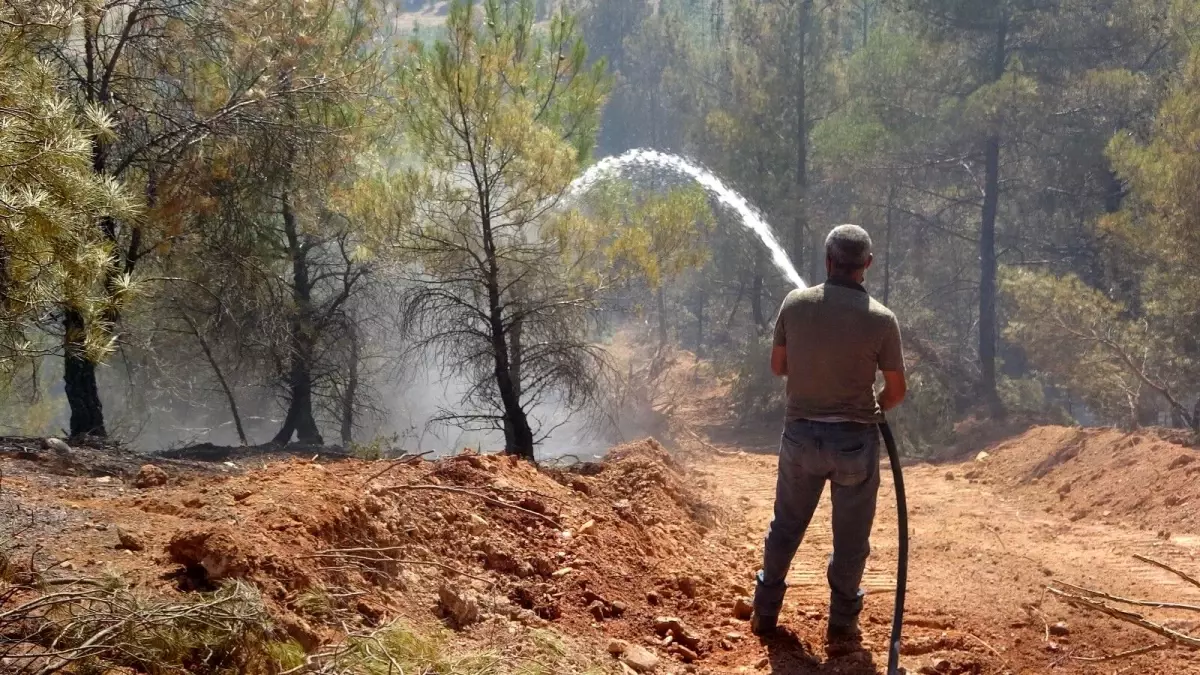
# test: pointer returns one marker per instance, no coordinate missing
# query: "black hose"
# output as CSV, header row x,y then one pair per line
x,y
902,562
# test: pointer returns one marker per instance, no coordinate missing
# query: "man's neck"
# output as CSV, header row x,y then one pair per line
x,y
845,282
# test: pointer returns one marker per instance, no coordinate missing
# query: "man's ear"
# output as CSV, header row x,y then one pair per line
x,y
870,259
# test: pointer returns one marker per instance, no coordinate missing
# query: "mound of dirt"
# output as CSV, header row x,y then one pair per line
x,y
605,549
1140,479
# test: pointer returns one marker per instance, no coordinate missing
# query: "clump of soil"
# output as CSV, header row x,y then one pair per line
x,y
1096,474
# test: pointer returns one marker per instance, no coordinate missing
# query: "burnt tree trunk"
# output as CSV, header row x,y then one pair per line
x,y
756,291
518,435
517,351
351,387
79,372
987,244
300,420
79,379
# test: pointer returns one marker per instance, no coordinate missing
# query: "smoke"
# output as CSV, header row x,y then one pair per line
x,y
152,409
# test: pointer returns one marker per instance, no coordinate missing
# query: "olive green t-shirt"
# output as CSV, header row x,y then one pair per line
x,y
837,338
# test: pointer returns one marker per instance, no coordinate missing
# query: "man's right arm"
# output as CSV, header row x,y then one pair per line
x,y
891,362
779,345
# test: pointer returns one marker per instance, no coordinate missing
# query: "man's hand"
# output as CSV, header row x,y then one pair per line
x,y
779,360
894,389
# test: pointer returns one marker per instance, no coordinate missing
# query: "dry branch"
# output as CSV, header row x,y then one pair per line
x,y
1125,654
708,445
1126,616
109,622
406,458
484,498
1128,601
1172,570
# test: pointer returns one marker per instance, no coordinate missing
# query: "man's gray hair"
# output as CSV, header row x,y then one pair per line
x,y
848,247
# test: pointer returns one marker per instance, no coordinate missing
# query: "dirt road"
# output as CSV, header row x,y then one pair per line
x,y
981,558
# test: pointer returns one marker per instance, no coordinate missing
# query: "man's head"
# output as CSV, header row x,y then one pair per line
x,y
848,252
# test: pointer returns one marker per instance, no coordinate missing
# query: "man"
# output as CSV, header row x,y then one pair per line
x,y
829,342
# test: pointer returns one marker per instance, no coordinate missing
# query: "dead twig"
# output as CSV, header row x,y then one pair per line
x,y
1128,601
708,445
484,498
1125,654
399,461
1042,617
985,644
1126,616
1191,580
527,491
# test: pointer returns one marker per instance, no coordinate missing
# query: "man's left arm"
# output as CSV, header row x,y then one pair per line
x,y
891,362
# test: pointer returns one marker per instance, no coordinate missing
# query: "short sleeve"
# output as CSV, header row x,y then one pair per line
x,y
780,330
891,355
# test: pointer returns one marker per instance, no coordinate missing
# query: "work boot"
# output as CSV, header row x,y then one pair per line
x,y
843,633
843,640
763,625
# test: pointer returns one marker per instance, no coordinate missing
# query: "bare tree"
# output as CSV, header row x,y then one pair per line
x,y
502,115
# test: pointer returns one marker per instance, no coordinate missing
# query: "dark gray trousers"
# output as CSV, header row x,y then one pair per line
x,y
810,453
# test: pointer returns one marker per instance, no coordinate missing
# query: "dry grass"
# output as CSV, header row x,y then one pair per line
x,y
95,624
401,649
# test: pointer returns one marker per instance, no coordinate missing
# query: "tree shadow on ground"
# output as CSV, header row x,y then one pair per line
x,y
787,654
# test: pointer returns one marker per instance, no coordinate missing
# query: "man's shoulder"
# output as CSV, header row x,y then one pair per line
x,y
805,294
877,308
802,296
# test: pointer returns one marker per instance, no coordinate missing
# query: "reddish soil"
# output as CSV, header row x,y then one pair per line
x,y
1103,476
986,540
603,550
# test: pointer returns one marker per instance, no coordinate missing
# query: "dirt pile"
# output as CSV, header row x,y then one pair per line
x,y
1141,479
604,549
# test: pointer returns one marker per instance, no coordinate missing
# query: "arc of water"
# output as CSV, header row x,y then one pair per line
x,y
750,216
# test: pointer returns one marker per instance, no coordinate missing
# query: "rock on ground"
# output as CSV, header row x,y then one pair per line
x,y
150,476
129,540
742,609
639,658
459,606
57,445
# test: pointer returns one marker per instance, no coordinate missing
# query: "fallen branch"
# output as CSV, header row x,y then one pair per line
x,y
1191,580
1127,601
1124,655
1128,617
485,498
527,491
985,644
708,445
406,458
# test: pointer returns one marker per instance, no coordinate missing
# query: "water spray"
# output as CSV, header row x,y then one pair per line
x,y
754,221
751,218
